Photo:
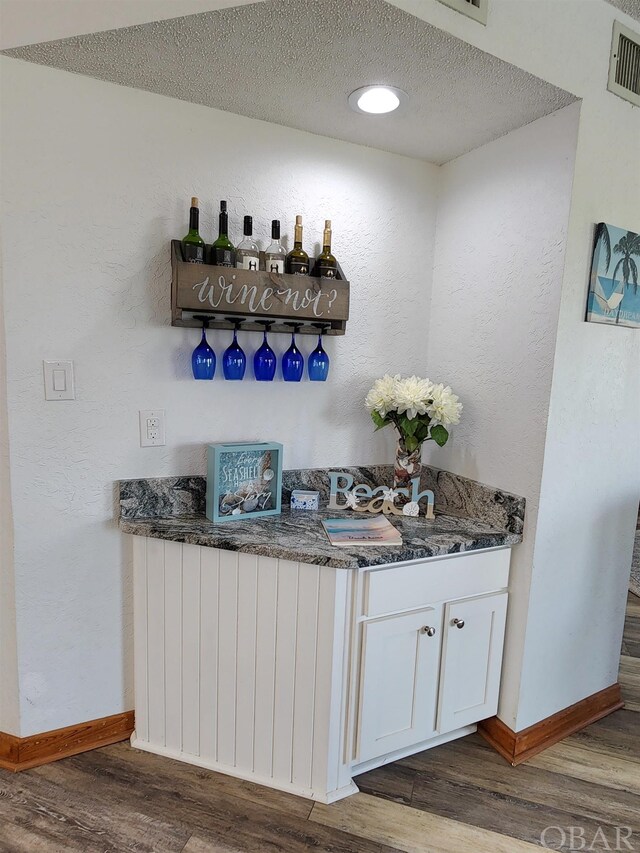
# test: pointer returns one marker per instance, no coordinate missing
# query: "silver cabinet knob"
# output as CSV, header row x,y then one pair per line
x,y
459,623
428,630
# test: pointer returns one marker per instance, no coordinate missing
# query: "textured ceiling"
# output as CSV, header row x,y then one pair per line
x,y
294,63
631,7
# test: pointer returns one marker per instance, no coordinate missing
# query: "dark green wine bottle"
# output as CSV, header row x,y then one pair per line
x,y
326,263
193,247
297,259
223,253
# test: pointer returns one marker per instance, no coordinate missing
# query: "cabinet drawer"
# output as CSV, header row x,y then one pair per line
x,y
409,587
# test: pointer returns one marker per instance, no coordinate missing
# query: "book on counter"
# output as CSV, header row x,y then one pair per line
x,y
351,530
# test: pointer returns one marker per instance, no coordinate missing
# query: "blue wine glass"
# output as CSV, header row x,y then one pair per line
x,y
234,361
318,361
293,360
203,358
264,359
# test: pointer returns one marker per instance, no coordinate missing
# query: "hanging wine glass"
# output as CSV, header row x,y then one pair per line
x,y
203,358
265,359
293,360
318,361
234,361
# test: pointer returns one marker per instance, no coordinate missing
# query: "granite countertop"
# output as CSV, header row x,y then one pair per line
x,y
173,508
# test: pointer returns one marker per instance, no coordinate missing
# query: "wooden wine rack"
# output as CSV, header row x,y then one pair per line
x,y
223,297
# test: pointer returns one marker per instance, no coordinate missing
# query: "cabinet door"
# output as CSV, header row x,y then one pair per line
x,y
398,682
471,660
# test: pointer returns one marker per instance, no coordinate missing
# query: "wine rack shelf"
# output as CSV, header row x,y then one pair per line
x,y
222,297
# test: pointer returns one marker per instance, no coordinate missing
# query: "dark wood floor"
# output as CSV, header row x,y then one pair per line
x,y
459,798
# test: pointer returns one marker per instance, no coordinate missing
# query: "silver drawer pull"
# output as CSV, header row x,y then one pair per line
x,y
459,623
428,630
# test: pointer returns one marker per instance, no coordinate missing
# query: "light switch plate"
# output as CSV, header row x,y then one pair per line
x,y
152,427
58,380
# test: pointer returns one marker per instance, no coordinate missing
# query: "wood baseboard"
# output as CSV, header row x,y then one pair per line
x,y
21,753
517,747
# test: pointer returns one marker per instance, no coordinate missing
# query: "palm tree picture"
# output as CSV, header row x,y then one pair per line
x,y
614,297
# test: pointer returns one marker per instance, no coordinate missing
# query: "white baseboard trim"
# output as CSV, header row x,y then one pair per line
x,y
356,769
267,781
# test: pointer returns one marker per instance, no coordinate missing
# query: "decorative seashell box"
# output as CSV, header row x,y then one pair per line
x,y
243,479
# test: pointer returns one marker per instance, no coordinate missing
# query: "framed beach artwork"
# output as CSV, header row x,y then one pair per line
x,y
614,292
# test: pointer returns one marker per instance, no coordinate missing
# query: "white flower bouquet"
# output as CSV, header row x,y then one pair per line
x,y
419,409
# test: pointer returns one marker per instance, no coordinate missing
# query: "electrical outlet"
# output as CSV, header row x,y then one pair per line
x,y
152,427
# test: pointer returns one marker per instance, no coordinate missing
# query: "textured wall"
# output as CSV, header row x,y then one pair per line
x,y
502,225
9,705
97,180
590,487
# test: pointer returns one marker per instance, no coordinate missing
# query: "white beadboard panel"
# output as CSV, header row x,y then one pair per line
x,y
173,644
155,639
345,654
265,665
329,617
227,656
241,662
304,690
191,649
140,636
209,566
246,662
286,630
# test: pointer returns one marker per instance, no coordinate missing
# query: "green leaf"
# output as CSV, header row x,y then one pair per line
x,y
378,420
422,432
439,434
412,443
408,426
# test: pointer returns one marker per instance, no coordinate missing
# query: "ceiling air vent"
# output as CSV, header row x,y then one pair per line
x,y
476,9
624,70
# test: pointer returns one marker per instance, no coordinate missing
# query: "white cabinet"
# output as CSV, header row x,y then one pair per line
x,y
429,673
299,676
399,681
471,660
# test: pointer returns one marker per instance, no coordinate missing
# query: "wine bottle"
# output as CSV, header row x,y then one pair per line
x,y
247,252
297,259
327,264
193,247
274,256
222,252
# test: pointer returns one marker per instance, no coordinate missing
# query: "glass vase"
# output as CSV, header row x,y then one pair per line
x,y
407,465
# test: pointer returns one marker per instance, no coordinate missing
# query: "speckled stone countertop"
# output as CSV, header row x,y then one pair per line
x,y
469,516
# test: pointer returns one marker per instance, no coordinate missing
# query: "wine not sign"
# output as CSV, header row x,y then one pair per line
x,y
226,295
226,292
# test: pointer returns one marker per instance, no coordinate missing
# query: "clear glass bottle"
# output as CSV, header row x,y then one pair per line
x,y
223,253
275,254
297,259
247,252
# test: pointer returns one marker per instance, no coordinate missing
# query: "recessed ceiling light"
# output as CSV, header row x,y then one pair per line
x,y
377,99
